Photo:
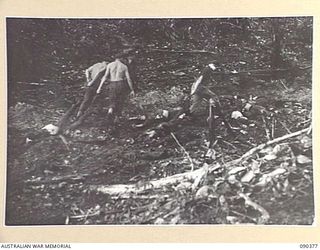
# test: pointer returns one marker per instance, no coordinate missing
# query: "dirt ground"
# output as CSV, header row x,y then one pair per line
x,y
49,183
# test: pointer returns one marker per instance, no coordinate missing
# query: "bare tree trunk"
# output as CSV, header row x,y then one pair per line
x,y
276,57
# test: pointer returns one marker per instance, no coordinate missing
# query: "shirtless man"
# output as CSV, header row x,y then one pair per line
x,y
93,75
118,86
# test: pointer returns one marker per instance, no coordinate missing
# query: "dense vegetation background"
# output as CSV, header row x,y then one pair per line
x,y
49,184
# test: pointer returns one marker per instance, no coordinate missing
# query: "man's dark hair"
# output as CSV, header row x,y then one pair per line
x,y
119,55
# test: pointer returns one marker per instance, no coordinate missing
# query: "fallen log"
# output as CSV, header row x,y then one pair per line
x,y
123,189
193,177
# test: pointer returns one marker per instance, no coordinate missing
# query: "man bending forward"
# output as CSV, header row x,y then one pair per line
x,y
94,75
118,87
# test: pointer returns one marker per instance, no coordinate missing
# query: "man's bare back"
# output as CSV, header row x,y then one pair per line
x,y
94,70
116,71
94,73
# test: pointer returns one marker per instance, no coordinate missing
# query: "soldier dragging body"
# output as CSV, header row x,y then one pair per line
x,y
119,85
93,76
202,93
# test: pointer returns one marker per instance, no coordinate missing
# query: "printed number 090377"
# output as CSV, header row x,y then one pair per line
x,y
308,246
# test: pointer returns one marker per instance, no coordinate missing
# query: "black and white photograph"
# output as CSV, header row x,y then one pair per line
x,y
159,121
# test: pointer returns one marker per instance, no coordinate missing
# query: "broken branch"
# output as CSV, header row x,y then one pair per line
x,y
84,216
266,128
183,149
264,213
261,146
183,51
122,189
57,179
282,83
65,142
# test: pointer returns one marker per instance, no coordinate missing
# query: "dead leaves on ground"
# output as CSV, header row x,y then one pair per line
x,y
225,195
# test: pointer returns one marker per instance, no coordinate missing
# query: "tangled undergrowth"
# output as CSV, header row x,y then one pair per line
x,y
260,174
